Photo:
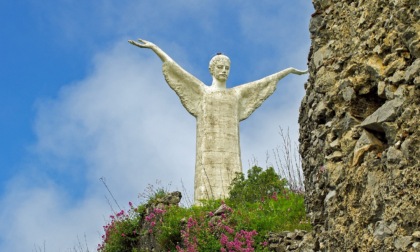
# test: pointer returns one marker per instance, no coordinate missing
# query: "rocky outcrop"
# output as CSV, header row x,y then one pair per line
x,y
360,125
152,214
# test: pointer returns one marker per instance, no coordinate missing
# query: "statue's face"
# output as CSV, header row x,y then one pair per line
x,y
221,70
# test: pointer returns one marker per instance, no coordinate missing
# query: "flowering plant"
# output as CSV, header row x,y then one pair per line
x,y
121,232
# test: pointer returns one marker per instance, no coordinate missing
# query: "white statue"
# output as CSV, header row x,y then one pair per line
x,y
218,111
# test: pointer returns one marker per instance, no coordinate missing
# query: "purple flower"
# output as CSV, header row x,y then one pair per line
x,y
228,229
224,240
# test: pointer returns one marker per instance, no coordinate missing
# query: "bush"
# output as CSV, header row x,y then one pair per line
x,y
258,186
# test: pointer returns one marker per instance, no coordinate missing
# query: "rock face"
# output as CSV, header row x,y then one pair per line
x,y
360,125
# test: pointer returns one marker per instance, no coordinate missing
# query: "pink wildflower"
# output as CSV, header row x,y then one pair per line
x,y
224,240
228,229
274,196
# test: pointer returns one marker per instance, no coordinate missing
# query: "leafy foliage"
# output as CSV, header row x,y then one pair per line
x,y
258,186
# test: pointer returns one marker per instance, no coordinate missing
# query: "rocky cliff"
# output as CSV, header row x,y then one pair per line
x,y
360,125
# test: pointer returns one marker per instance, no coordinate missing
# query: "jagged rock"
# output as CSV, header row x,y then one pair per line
x,y
416,234
382,230
336,155
409,146
389,91
330,195
381,89
394,155
391,130
336,175
320,55
277,247
292,246
402,242
366,142
298,240
386,113
417,81
348,94
223,209
402,91
397,77
220,213
347,123
412,70
335,144
411,40
172,198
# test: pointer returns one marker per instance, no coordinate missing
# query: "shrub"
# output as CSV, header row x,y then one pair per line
x,y
258,186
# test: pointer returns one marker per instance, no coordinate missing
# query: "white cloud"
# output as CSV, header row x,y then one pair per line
x,y
123,123
32,218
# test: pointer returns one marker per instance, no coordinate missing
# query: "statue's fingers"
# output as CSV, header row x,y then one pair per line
x,y
135,43
132,42
302,71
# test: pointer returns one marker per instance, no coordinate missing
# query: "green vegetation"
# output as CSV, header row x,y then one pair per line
x,y
258,186
258,204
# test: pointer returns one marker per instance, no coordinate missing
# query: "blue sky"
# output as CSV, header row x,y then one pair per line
x,y
80,103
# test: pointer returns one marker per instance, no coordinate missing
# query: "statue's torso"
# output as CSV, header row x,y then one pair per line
x,y
218,152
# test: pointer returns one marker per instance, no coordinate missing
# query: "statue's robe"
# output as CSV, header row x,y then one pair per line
x,y
218,113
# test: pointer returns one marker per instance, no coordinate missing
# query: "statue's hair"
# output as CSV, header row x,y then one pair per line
x,y
217,58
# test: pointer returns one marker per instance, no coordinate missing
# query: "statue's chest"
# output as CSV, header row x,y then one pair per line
x,y
220,102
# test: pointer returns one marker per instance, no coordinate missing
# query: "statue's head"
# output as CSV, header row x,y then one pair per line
x,y
219,67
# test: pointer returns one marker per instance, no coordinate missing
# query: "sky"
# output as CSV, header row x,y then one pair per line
x,y
80,105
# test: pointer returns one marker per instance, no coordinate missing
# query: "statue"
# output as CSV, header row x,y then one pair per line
x,y
218,111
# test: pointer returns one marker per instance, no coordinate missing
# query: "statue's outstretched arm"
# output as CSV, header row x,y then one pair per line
x,y
253,94
146,44
280,75
189,89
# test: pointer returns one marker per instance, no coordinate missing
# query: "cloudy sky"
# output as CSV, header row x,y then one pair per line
x,y
79,103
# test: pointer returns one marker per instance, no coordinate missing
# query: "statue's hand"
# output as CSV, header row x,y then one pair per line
x,y
300,72
143,43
